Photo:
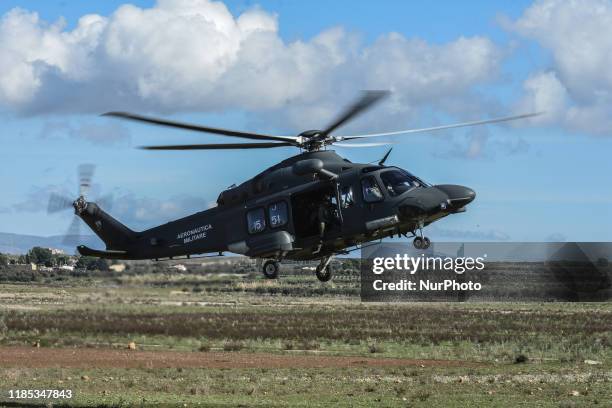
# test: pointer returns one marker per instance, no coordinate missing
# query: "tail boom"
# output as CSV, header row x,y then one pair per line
x,y
115,235
193,234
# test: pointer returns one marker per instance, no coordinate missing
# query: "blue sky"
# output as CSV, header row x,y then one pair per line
x,y
539,180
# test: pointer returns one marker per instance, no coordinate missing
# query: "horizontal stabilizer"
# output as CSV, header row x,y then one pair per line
x,y
109,254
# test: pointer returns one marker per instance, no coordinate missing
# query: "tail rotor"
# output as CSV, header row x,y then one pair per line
x,y
59,202
85,172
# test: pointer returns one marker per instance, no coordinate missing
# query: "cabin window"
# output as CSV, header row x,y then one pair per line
x,y
346,197
371,190
278,214
397,182
256,220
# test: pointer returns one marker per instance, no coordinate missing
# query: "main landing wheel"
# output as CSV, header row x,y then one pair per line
x,y
270,269
421,242
324,273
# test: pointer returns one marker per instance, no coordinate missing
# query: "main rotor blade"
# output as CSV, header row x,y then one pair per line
x,y
198,128
373,144
367,100
219,146
430,129
58,202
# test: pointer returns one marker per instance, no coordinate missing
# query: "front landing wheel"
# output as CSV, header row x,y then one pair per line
x,y
270,269
324,274
418,242
421,243
426,242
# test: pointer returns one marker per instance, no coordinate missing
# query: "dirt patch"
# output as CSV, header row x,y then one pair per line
x,y
24,357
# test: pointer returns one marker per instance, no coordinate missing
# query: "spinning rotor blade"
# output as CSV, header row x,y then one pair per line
x,y
367,100
430,129
74,232
219,146
309,141
198,128
57,203
374,144
86,172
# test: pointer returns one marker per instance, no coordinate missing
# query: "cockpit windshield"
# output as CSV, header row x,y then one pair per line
x,y
399,181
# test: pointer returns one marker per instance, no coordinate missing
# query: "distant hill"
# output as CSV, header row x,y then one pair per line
x,y
21,244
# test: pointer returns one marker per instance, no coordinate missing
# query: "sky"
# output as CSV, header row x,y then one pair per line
x,y
282,67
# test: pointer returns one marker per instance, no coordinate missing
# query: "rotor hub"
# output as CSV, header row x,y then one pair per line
x,y
314,140
310,134
80,205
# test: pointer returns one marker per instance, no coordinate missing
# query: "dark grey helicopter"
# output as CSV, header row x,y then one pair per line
x,y
310,206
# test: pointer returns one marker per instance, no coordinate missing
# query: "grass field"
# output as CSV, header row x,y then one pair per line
x,y
193,334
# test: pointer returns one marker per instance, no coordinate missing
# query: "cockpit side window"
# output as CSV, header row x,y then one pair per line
x,y
346,197
397,182
371,190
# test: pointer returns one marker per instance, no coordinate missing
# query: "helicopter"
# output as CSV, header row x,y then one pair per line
x,y
311,206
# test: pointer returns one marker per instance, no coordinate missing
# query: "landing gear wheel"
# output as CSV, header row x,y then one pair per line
x,y
421,242
324,274
270,269
426,243
418,243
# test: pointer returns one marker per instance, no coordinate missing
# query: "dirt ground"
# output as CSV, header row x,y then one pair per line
x,y
31,357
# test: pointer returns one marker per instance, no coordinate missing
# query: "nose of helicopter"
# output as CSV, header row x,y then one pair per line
x,y
458,196
429,201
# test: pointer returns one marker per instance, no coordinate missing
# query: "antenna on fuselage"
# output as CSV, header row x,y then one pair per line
x,y
385,157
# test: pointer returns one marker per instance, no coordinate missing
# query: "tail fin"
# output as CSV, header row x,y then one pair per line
x,y
115,235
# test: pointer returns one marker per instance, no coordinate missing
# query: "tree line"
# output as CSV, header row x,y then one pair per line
x,y
46,257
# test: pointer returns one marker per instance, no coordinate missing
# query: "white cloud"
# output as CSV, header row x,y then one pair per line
x,y
556,237
194,55
543,92
106,133
577,90
480,143
420,71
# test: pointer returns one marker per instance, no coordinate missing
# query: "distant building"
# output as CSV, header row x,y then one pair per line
x,y
117,267
56,251
67,268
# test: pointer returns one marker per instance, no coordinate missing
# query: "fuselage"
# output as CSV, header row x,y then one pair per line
x,y
273,215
